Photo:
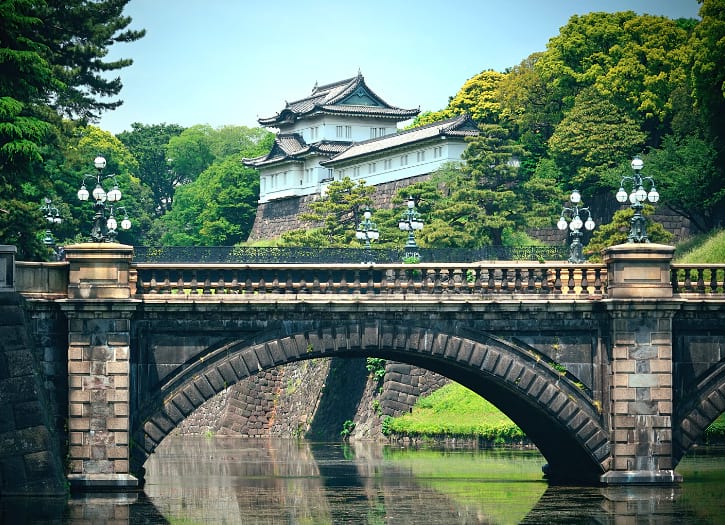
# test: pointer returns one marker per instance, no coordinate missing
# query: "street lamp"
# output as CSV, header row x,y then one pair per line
x,y
410,222
104,228
637,231
52,215
575,225
367,231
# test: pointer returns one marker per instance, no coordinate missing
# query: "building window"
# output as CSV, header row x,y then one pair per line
x,y
339,131
437,152
356,171
313,133
373,133
420,156
387,164
381,132
348,132
372,167
404,160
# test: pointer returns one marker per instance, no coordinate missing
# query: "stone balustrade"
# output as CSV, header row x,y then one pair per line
x,y
466,279
698,278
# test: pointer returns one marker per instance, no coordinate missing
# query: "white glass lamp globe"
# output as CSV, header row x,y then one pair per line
x,y
99,162
114,195
589,224
99,193
561,224
83,193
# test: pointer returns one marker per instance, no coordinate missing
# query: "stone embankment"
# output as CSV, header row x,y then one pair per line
x,y
30,449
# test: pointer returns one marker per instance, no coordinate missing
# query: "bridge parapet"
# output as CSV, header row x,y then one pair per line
x,y
547,280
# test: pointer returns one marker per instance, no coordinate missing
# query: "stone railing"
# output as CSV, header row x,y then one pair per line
x,y
43,280
698,278
467,279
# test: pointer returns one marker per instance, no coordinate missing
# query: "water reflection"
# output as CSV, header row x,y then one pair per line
x,y
232,480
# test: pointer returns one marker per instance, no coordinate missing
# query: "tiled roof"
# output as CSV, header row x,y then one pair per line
x,y
291,146
461,126
330,98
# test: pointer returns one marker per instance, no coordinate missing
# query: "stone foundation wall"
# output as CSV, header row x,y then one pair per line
x,y
30,456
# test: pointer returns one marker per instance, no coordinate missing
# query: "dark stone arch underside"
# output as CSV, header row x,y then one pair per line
x,y
556,415
703,405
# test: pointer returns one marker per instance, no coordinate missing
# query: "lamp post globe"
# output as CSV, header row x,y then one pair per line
x,y
105,225
575,224
637,197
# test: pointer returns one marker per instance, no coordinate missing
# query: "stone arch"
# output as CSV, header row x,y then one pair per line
x,y
698,410
556,415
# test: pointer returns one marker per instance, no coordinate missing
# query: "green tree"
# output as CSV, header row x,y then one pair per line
x,y
337,215
616,232
594,135
51,64
217,209
147,143
689,181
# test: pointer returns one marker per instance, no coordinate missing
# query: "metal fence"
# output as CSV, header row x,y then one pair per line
x,y
303,255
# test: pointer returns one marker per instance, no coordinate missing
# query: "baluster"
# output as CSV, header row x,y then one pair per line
x,y
194,283
504,280
585,282
316,283
207,283
221,284
517,280
688,281
544,280
598,281
153,284
180,282
674,280
234,288
570,283
713,280
429,281
557,280
275,283
330,286
371,282
701,280
343,287
531,282
356,281
261,286
491,280
249,284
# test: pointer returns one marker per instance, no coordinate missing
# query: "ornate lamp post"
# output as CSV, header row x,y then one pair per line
x,y
104,227
637,231
575,225
367,231
410,222
52,215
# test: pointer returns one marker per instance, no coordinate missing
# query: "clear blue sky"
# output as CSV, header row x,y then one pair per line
x,y
223,62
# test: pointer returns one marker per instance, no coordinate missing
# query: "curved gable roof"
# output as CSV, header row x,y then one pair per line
x,y
351,96
461,126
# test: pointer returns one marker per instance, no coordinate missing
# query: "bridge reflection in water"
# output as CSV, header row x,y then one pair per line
x,y
232,480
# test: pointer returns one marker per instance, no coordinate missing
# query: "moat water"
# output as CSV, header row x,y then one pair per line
x,y
217,480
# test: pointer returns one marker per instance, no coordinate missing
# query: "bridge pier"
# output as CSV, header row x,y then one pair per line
x,y
641,311
99,310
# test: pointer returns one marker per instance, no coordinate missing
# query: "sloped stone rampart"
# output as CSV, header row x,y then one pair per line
x,y
30,454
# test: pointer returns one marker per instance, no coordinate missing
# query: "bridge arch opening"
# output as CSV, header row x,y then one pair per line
x,y
556,415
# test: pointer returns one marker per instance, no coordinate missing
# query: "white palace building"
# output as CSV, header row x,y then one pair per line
x,y
343,130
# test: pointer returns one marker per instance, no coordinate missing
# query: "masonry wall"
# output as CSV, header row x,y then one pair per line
x,y
30,455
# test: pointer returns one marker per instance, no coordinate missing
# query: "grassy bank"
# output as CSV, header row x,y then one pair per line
x,y
455,411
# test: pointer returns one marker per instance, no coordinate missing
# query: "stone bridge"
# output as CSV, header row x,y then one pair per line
x,y
613,370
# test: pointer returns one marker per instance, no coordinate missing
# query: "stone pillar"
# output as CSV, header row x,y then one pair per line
x,y
99,310
641,309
